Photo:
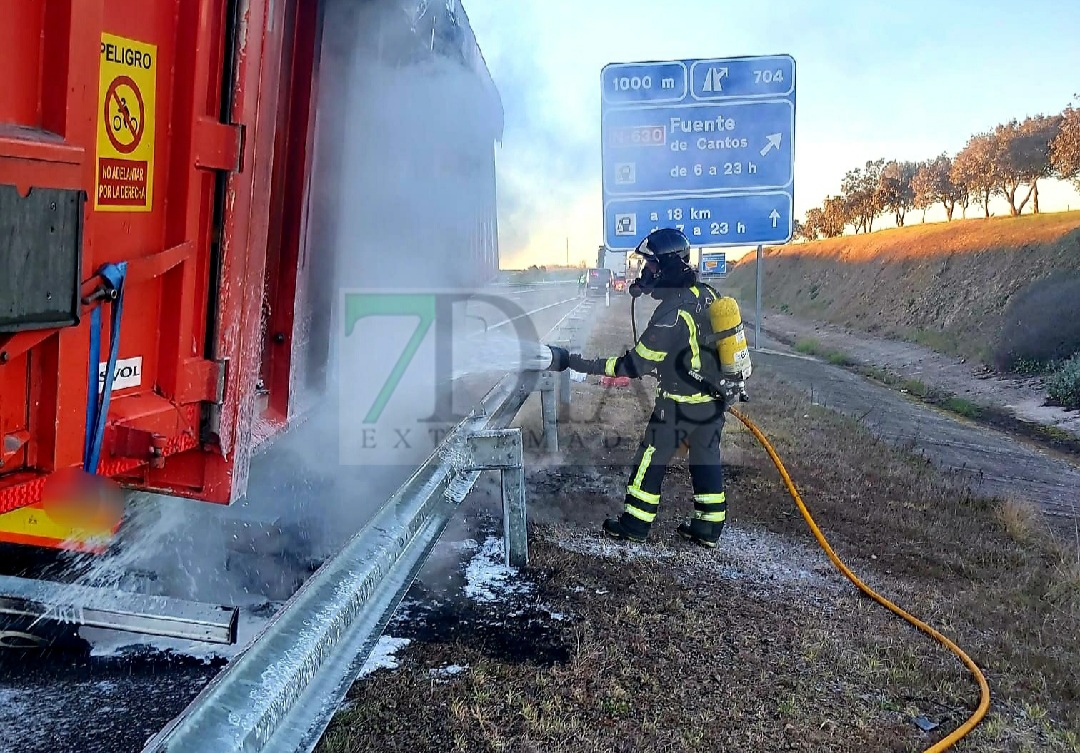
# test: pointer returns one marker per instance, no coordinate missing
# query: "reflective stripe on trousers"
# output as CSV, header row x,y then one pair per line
x,y
672,424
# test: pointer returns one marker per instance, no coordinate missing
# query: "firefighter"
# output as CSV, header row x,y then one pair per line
x,y
691,399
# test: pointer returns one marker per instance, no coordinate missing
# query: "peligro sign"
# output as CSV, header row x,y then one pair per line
x,y
128,373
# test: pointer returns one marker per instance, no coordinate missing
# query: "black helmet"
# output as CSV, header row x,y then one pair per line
x,y
670,249
665,242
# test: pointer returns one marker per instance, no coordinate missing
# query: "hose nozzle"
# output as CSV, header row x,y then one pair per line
x,y
542,360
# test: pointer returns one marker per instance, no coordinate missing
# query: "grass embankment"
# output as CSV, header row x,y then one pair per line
x,y
753,647
916,387
1004,291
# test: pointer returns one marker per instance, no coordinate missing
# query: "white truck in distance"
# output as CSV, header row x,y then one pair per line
x,y
616,262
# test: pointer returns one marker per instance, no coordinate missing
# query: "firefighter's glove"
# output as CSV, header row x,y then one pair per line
x,y
560,358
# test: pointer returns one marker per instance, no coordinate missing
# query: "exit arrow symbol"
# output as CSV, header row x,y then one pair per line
x,y
713,80
772,143
774,217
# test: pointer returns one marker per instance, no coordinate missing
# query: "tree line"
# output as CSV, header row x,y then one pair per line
x,y
1007,161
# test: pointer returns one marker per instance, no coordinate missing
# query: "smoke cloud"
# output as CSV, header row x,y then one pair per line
x,y
402,198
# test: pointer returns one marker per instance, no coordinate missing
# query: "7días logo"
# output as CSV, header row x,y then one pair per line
x,y
433,312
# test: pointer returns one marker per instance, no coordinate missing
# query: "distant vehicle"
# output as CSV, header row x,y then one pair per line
x,y
600,282
616,261
633,268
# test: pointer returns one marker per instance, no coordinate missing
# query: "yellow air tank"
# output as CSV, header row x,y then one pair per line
x,y
727,325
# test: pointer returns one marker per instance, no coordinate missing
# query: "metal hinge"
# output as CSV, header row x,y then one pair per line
x,y
219,146
219,385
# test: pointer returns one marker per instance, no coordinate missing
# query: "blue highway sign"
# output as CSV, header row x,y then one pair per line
x,y
713,264
715,220
699,138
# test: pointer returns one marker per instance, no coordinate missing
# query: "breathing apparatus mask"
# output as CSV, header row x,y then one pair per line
x,y
646,282
667,273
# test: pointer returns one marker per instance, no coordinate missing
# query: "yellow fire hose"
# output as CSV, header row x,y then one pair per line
x,y
984,688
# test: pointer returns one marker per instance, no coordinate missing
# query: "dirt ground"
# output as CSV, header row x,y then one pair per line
x,y
910,363
759,645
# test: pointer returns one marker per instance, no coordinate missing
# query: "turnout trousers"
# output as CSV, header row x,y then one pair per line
x,y
673,424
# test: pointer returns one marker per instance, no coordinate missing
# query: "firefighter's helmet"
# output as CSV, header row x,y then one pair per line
x,y
663,244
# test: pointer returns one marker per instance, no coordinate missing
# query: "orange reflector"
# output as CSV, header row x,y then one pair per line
x,y
77,511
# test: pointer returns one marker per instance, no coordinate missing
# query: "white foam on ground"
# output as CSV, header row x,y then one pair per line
x,y
384,655
744,553
448,671
468,545
487,579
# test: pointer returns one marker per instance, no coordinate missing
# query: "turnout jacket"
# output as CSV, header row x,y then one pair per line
x,y
672,348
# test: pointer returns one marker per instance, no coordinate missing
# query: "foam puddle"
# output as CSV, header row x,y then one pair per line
x,y
751,555
488,579
384,655
487,582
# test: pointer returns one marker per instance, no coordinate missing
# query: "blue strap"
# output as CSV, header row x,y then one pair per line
x,y
97,396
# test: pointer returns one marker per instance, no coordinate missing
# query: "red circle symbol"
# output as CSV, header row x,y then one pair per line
x,y
124,123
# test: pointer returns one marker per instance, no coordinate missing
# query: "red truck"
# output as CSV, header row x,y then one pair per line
x,y
161,298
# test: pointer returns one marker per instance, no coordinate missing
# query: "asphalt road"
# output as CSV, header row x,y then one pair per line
x,y
110,691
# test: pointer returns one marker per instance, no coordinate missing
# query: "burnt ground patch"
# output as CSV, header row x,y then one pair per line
x,y
94,704
497,614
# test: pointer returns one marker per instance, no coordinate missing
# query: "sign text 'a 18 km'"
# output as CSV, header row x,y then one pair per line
x,y
702,145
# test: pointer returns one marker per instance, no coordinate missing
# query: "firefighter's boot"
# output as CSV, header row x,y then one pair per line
x,y
627,528
701,533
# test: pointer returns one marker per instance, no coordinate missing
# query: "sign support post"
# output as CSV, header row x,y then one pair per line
x,y
760,269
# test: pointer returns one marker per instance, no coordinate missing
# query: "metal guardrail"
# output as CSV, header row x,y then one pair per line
x,y
280,693
88,606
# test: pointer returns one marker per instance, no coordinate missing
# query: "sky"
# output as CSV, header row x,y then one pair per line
x,y
900,80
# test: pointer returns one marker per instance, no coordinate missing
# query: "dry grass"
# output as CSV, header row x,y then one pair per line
x,y
1020,519
947,286
940,238
678,651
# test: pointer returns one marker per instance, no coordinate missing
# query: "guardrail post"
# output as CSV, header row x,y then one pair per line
x,y
564,385
545,385
501,450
